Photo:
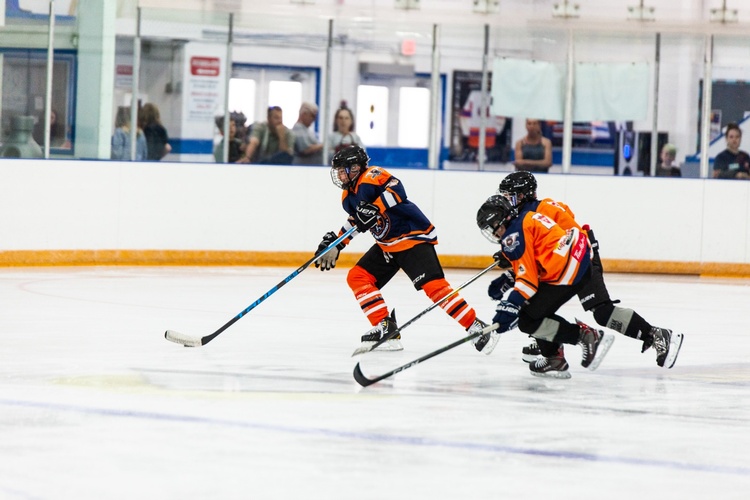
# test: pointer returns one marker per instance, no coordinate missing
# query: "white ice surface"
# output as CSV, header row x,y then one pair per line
x,y
96,404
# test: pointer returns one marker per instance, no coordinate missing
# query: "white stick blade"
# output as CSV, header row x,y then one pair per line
x,y
179,338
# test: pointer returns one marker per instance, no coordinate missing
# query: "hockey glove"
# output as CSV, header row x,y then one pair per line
x,y
328,261
506,313
502,260
502,284
365,216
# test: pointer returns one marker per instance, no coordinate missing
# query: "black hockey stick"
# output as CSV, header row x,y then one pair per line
x,y
363,350
188,341
364,381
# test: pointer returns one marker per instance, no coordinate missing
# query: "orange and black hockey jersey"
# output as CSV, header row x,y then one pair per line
x,y
401,224
555,210
541,251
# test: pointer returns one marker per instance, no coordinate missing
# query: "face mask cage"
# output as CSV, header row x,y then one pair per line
x,y
488,231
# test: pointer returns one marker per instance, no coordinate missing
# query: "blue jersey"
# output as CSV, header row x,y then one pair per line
x,y
401,224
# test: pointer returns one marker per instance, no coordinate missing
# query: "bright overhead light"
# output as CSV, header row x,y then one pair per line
x,y
724,15
565,9
641,13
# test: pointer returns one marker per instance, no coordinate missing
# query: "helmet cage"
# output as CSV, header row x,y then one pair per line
x,y
495,212
347,159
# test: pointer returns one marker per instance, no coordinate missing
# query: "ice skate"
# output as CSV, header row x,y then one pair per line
x,y
381,330
531,352
594,345
552,367
666,344
484,343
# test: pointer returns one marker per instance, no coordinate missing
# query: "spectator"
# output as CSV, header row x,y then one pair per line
x,y
121,138
57,133
732,163
668,167
156,135
343,131
235,144
271,142
307,149
534,152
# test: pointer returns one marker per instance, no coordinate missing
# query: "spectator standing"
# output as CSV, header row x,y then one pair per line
x,y
156,135
732,163
534,152
307,149
343,131
667,168
271,143
121,138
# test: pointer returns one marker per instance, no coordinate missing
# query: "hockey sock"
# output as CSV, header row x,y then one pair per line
x,y
456,307
622,320
367,294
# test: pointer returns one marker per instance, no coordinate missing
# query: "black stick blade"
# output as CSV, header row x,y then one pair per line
x,y
360,377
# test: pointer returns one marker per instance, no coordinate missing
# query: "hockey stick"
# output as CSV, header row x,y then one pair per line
x,y
363,350
364,381
188,341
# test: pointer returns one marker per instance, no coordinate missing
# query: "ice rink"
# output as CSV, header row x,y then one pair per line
x,y
96,404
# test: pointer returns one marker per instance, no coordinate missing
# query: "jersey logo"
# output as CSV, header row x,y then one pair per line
x,y
521,270
510,243
374,172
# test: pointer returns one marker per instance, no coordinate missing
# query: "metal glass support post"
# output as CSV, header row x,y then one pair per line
x,y
655,123
484,108
48,89
227,80
434,144
134,91
708,57
325,108
567,152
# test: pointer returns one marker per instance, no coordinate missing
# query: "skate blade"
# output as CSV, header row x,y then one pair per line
x,y
674,349
491,343
607,340
529,358
553,374
388,345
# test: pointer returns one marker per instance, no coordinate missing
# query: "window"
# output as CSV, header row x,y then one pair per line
x,y
372,115
242,97
413,117
287,95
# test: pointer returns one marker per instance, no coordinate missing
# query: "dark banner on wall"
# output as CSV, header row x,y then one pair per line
x,y
466,122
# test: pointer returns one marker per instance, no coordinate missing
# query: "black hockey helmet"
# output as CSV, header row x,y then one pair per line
x,y
516,183
495,212
352,160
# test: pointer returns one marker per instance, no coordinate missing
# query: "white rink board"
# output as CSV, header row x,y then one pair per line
x,y
90,205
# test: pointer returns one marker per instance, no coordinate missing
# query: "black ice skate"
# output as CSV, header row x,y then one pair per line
x,y
666,344
484,343
552,367
594,345
531,352
381,330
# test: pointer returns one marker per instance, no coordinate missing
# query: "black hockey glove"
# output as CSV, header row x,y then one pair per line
x,y
503,261
366,216
506,315
501,284
328,261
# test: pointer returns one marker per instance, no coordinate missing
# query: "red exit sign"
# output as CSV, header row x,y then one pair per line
x,y
205,66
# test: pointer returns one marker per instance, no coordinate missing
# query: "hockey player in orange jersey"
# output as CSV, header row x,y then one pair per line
x,y
551,265
405,239
520,189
